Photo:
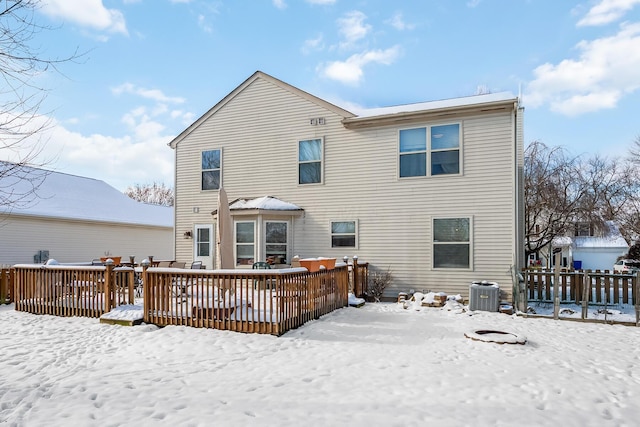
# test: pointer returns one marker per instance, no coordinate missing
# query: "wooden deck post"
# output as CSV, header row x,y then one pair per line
x,y
109,287
4,284
356,283
146,293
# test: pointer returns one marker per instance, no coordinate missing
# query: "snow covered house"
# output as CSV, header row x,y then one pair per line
x,y
431,191
74,219
589,250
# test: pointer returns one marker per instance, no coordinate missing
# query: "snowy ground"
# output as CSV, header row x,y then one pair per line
x,y
379,365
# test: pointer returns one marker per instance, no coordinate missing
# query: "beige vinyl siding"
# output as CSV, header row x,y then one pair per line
x,y
258,131
80,241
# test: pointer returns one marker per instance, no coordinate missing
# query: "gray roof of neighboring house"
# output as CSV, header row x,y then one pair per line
x,y
64,196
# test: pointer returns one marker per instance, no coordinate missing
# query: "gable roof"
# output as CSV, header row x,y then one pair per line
x,y
255,76
69,197
375,116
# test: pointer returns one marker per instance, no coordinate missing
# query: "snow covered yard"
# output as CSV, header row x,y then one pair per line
x,y
376,365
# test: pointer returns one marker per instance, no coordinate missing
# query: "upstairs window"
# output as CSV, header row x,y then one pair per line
x,y
429,151
211,169
310,161
343,234
413,152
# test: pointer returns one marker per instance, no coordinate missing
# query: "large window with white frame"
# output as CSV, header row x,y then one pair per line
x,y
452,243
344,234
429,151
310,154
245,240
211,169
276,241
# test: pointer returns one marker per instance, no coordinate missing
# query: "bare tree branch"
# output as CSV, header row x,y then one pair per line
x,y
21,98
155,194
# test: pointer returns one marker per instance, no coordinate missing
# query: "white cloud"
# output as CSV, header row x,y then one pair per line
x,y
397,21
313,44
350,71
607,11
153,94
605,71
204,24
473,3
321,2
280,4
87,13
140,157
352,27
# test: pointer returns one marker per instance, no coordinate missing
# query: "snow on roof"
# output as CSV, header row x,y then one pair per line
x,y
73,197
434,105
613,239
264,203
600,242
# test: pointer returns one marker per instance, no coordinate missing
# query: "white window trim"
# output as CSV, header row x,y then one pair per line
x,y
235,243
203,170
344,234
471,250
298,162
429,151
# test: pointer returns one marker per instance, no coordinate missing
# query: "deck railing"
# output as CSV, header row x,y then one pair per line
x,y
71,290
260,301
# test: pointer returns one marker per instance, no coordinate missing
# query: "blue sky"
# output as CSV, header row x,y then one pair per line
x,y
150,68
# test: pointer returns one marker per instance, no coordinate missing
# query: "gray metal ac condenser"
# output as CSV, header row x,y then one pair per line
x,y
484,296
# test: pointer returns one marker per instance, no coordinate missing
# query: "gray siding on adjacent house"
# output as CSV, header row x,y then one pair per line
x,y
258,131
80,241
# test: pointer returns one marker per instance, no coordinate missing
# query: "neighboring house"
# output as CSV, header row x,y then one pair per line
x,y
76,219
587,249
431,191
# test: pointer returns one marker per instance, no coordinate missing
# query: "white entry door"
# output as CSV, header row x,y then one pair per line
x,y
203,244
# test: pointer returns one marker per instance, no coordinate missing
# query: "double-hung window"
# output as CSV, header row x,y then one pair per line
x,y
276,241
310,161
344,234
429,151
452,243
211,168
245,242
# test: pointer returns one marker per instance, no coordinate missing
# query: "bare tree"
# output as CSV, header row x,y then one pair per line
x,y
21,99
611,192
553,194
563,192
155,194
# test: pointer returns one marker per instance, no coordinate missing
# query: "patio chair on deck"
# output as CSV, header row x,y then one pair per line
x,y
260,265
196,265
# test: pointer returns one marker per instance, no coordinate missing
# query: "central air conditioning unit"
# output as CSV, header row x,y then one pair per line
x,y
484,296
